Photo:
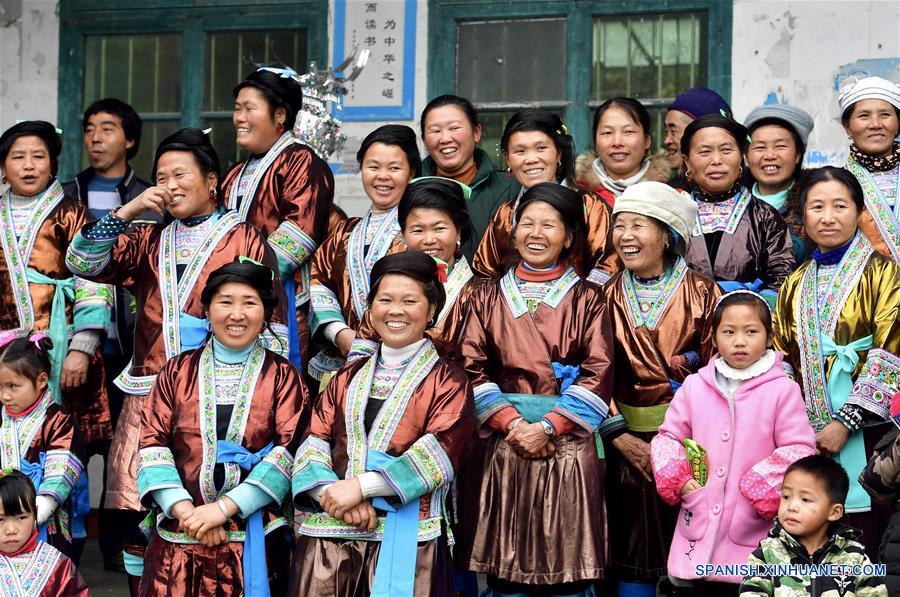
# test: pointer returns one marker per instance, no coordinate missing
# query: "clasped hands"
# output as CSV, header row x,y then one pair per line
x,y
529,439
205,523
344,501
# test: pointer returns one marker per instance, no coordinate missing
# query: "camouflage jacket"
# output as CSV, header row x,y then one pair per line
x,y
841,548
881,478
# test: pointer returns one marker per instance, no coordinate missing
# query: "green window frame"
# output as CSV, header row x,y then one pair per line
x,y
193,20
445,15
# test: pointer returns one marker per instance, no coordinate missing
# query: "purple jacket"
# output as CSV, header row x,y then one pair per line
x,y
750,441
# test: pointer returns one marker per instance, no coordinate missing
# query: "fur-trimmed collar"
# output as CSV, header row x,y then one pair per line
x,y
660,169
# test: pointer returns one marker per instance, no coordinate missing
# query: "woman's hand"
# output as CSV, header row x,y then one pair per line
x,y
154,199
180,511
341,497
203,519
74,370
637,452
832,438
530,441
344,340
213,537
690,486
362,516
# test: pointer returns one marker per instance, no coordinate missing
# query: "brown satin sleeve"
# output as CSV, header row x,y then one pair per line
x,y
596,342
128,258
61,433
599,241
322,268
229,179
451,415
475,356
293,410
495,244
306,191
158,408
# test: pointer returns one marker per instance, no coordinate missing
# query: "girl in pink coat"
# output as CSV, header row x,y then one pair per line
x,y
749,419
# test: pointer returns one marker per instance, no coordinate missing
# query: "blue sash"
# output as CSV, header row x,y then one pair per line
x,y
395,572
294,354
256,576
193,330
81,505
35,472
731,285
840,381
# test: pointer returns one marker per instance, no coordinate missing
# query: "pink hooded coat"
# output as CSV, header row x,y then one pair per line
x,y
750,441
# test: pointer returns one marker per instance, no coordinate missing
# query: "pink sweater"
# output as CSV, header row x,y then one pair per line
x,y
750,441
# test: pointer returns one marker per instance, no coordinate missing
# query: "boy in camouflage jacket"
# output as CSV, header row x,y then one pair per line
x,y
807,533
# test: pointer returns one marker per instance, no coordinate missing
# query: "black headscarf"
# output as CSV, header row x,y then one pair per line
x,y
33,128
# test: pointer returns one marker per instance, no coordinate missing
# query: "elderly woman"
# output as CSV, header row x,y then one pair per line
x,y
745,242
538,149
282,187
537,348
166,267
388,159
837,320
660,316
870,113
434,220
451,133
620,157
778,138
218,435
385,440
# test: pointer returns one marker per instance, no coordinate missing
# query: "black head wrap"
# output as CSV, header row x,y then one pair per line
x,y
394,134
412,264
280,91
564,200
732,127
258,277
435,193
33,128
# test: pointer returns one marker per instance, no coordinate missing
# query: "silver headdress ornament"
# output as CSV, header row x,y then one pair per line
x,y
315,126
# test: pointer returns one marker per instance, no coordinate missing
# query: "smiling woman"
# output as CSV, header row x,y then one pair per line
x,y
165,266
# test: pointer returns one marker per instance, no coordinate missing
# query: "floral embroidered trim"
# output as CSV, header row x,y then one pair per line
x,y
17,433
885,219
360,263
721,216
558,291
653,316
877,383
33,576
283,142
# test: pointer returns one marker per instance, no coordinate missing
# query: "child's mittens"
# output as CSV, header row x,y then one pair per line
x,y
46,506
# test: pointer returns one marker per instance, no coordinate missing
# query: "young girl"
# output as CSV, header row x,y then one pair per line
x,y
746,424
29,566
37,436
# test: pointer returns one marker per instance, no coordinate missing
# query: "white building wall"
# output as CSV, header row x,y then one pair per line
x,y
793,52
29,60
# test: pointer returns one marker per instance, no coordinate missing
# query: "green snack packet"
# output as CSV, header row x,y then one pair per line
x,y
696,455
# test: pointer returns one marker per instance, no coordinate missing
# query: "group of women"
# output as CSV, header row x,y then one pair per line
x,y
468,377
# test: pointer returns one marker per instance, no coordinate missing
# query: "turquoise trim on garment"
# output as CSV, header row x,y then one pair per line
x,y
777,200
249,499
230,356
134,565
853,455
167,497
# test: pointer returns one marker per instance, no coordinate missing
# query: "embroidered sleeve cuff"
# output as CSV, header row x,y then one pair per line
x,y
420,470
373,484
501,419
850,416
612,427
312,467
86,341
877,383
108,227
292,247
361,348
583,407
93,305
272,475
166,498
249,498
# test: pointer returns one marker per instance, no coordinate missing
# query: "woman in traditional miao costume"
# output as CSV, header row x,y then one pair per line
x,y
218,434
386,436
434,220
388,158
165,266
778,139
538,149
837,320
660,316
537,347
620,157
283,188
870,113
39,437
37,223
451,133
746,242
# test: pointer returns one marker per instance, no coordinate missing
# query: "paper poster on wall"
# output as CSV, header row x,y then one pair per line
x,y
387,28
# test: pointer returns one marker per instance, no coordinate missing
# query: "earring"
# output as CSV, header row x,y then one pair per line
x,y
508,173
458,243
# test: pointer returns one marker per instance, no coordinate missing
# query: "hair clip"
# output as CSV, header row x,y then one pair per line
x,y
466,189
36,338
743,291
243,259
564,130
284,73
207,131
